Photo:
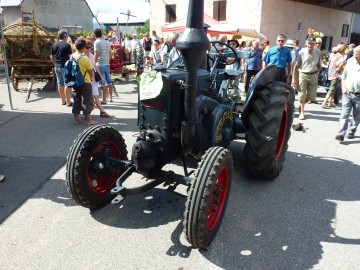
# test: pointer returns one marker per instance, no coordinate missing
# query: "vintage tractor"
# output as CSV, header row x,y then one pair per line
x,y
186,118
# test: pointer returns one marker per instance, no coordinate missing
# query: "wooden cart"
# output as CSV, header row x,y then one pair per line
x,y
28,52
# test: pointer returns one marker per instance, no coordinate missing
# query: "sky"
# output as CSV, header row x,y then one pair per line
x,y
109,10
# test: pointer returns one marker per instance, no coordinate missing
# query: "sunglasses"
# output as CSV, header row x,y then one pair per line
x,y
88,47
232,43
280,40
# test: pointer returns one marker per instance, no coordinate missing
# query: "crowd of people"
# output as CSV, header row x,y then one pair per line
x,y
297,66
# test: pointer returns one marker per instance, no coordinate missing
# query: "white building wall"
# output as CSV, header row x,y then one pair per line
x,y
269,17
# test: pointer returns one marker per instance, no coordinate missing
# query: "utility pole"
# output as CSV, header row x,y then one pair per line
x,y
128,14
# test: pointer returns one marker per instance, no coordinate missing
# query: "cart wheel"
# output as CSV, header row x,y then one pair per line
x,y
208,196
89,176
267,136
14,81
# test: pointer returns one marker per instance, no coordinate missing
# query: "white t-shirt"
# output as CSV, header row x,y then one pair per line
x,y
102,46
156,56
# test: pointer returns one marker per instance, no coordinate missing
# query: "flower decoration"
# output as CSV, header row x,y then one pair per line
x,y
314,33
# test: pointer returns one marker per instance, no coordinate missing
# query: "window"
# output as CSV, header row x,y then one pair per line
x,y
299,26
327,43
345,30
219,10
170,11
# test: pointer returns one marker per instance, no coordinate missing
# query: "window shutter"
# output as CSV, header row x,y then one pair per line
x,y
170,13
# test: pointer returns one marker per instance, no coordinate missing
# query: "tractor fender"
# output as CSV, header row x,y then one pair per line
x,y
267,75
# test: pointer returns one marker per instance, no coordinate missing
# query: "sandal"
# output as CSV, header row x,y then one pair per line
x,y
325,106
332,105
104,115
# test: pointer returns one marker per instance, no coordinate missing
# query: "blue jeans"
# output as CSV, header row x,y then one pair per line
x,y
105,72
349,102
60,76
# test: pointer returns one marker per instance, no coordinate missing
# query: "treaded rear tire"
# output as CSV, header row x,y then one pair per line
x,y
268,133
88,187
208,196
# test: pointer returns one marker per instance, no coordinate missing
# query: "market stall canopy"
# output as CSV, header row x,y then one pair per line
x,y
179,26
230,29
216,28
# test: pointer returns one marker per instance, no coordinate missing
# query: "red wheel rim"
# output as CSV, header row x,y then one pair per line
x,y
218,199
105,181
282,134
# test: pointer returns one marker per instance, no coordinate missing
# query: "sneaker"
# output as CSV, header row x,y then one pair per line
x,y
350,136
339,138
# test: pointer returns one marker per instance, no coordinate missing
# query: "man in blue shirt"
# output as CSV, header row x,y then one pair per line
x,y
280,56
253,63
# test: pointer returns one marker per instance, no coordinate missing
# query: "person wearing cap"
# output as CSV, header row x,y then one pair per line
x,y
280,56
350,83
305,73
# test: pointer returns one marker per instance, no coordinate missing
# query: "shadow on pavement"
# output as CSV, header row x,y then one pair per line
x,y
281,224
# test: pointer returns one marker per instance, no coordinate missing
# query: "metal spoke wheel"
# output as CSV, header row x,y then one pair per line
x,y
208,196
89,175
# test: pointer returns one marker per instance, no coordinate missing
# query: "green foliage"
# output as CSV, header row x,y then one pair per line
x,y
144,29
36,22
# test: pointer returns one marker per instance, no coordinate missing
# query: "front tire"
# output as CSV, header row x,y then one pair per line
x,y
88,184
268,132
208,196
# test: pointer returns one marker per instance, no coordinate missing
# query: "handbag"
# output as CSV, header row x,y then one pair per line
x,y
97,76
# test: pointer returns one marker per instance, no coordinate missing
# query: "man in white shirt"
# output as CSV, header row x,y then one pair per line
x,y
154,57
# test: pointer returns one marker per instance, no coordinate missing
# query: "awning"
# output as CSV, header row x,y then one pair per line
x,y
216,28
232,29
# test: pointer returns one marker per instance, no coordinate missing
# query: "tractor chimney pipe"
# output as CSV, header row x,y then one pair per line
x,y
193,44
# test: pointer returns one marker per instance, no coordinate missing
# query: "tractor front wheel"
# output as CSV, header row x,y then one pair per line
x,y
89,176
208,196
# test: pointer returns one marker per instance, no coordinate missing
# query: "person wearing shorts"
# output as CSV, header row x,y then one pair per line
x,y
94,85
305,74
60,53
102,52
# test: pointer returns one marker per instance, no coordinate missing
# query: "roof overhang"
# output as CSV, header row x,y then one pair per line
x,y
345,5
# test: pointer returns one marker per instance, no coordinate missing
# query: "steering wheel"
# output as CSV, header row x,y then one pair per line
x,y
222,53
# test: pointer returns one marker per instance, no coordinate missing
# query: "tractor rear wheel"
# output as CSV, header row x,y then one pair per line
x,y
208,196
88,178
268,133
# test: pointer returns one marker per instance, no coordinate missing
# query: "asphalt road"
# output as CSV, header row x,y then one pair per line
x,y
308,218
